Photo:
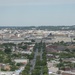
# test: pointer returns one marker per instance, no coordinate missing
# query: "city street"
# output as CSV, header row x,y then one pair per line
x,y
33,61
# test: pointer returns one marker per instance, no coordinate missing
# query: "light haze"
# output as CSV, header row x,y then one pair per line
x,y
37,12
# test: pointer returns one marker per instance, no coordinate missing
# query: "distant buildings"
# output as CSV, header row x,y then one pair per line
x,y
17,36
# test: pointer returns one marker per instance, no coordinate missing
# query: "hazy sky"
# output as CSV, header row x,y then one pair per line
x,y
37,12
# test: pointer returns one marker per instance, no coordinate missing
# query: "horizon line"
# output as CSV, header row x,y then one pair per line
x,y
34,26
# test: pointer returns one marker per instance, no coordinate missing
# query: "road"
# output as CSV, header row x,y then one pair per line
x,y
41,52
33,61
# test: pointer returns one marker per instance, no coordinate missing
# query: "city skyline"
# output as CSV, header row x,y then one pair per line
x,y
36,13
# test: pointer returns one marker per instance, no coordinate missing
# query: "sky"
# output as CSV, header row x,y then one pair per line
x,y
37,12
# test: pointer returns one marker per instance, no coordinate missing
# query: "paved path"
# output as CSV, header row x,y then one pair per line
x,y
41,59
33,61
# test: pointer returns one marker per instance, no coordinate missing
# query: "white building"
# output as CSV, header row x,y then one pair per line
x,y
25,61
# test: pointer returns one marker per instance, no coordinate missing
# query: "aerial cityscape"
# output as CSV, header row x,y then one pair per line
x,y
37,50
37,37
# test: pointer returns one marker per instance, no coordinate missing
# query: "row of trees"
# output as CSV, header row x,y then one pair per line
x,y
26,70
37,68
41,65
45,68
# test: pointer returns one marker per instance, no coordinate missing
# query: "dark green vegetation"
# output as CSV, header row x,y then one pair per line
x,y
26,70
6,58
40,65
65,59
42,27
7,55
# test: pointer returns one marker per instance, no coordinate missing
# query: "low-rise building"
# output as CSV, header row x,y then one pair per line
x,y
68,73
26,52
24,61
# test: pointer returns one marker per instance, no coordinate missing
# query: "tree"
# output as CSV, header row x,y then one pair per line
x,y
45,74
7,50
67,50
31,56
13,68
36,72
45,70
74,39
24,47
60,65
32,40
